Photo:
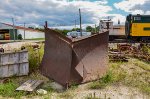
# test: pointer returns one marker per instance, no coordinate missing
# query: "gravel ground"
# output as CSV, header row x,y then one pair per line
x,y
16,45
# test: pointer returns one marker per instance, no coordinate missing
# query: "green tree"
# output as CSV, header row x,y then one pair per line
x,y
76,29
20,37
31,27
39,29
64,32
89,29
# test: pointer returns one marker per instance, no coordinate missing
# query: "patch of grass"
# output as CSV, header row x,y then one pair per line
x,y
146,49
145,88
92,96
139,80
103,82
36,39
47,96
46,86
97,85
73,86
143,65
15,82
8,90
115,65
137,77
66,95
115,74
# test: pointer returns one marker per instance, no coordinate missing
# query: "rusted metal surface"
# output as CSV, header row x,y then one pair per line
x,y
117,57
74,61
123,51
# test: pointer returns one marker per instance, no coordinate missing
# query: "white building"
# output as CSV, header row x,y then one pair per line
x,y
107,25
27,33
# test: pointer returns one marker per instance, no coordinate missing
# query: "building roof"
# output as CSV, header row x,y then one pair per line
x,y
18,27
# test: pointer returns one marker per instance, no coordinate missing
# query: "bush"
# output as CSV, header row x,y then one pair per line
x,y
35,57
20,37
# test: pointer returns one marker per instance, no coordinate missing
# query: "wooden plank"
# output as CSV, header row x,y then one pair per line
x,y
29,85
23,57
3,71
12,70
13,58
23,69
4,59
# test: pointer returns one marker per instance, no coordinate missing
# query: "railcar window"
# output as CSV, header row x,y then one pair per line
x,y
137,18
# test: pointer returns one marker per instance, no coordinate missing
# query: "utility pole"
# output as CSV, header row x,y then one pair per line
x,y
24,30
118,22
80,22
95,28
75,25
108,17
13,28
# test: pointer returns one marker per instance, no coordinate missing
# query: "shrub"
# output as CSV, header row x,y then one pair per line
x,y
20,37
35,57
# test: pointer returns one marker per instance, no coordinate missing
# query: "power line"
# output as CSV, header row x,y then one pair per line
x,y
24,30
13,28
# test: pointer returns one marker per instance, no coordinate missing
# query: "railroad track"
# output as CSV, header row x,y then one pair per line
x,y
126,41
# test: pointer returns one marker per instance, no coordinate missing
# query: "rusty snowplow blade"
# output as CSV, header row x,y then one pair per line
x,y
74,61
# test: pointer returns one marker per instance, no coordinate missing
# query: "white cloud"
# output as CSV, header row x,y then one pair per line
x,y
119,17
133,6
147,13
54,11
72,26
138,12
57,12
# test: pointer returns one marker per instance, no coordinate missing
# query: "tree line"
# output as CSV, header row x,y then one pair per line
x,y
65,31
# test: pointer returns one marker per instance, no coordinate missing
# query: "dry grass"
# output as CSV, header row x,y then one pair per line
x,y
135,73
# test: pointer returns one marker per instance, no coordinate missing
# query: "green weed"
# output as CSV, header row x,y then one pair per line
x,y
103,82
115,74
35,57
143,65
8,90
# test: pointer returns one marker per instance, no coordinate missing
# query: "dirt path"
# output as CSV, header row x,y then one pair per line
x,y
112,92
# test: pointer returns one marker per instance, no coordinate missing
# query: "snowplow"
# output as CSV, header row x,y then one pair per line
x,y
69,61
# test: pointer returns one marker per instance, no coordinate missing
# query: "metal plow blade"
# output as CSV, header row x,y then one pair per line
x,y
74,61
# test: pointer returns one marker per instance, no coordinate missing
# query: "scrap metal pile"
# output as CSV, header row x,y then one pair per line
x,y
123,51
77,61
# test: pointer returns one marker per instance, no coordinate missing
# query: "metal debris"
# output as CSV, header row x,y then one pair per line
x,y
129,50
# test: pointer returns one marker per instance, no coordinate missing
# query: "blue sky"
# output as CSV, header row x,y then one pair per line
x,y
63,13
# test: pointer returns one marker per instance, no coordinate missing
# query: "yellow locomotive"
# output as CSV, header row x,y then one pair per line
x,y
4,34
137,27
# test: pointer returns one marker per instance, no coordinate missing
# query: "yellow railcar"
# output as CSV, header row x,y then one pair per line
x,y
138,27
7,36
